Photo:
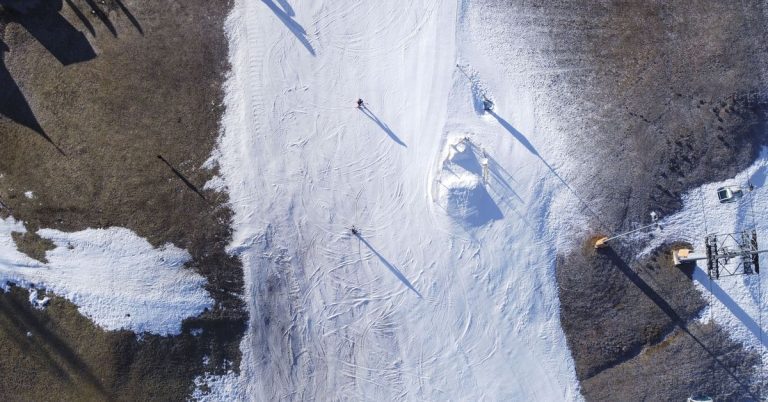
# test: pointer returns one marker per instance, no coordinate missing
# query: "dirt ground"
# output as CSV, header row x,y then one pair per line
x,y
669,95
92,93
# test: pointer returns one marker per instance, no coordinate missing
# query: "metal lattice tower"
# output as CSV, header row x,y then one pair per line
x,y
742,246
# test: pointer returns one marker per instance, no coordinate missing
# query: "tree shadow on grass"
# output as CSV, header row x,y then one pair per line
x,y
44,21
13,104
46,24
45,344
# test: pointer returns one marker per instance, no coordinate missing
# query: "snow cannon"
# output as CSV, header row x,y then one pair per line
x,y
679,256
601,242
686,255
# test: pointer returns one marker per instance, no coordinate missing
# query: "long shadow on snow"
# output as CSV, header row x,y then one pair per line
x,y
391,267
369,114
662,304
295,27
527,144
700,276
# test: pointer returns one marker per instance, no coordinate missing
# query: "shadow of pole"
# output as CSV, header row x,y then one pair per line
x,y
292,25
527,144
369,114
389,266
130,16
184,179
665,307
700,276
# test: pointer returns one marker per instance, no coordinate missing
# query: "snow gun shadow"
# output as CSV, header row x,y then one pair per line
x,y
367,112
293,26
389,266
665,307
527,144
700,276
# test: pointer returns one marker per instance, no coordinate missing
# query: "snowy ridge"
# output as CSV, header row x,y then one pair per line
x,y
115,277
439,294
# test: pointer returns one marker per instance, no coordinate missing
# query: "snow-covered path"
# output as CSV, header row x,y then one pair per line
x,y
448,290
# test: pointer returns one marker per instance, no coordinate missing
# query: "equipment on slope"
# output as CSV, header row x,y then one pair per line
x,y
602,241
721,249
487,104
729,194
484,164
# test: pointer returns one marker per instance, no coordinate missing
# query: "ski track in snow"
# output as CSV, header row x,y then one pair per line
x,y
115,277
437,298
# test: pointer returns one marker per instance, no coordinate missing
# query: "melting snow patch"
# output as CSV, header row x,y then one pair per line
x,y
36,302
115,277
212,388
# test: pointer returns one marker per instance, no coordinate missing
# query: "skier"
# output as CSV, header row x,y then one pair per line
x,y
354,231
360,104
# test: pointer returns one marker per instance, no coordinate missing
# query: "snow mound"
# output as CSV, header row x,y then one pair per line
x,y
460,186
115,277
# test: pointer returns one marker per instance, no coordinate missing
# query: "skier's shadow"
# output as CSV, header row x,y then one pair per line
x,y
399,274
367,112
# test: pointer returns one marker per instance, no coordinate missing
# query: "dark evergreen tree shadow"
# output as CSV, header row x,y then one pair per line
x,y
44,21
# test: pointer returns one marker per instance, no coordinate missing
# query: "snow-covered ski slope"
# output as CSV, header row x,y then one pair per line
x,y
448,291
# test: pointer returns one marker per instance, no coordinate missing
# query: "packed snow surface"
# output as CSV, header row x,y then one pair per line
x,y
115,277
737,302
445,288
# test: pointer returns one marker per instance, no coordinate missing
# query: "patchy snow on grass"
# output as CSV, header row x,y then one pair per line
x,y
737,302
115,277
217,388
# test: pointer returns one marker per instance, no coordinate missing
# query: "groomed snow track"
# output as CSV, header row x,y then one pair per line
x,y
421,304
